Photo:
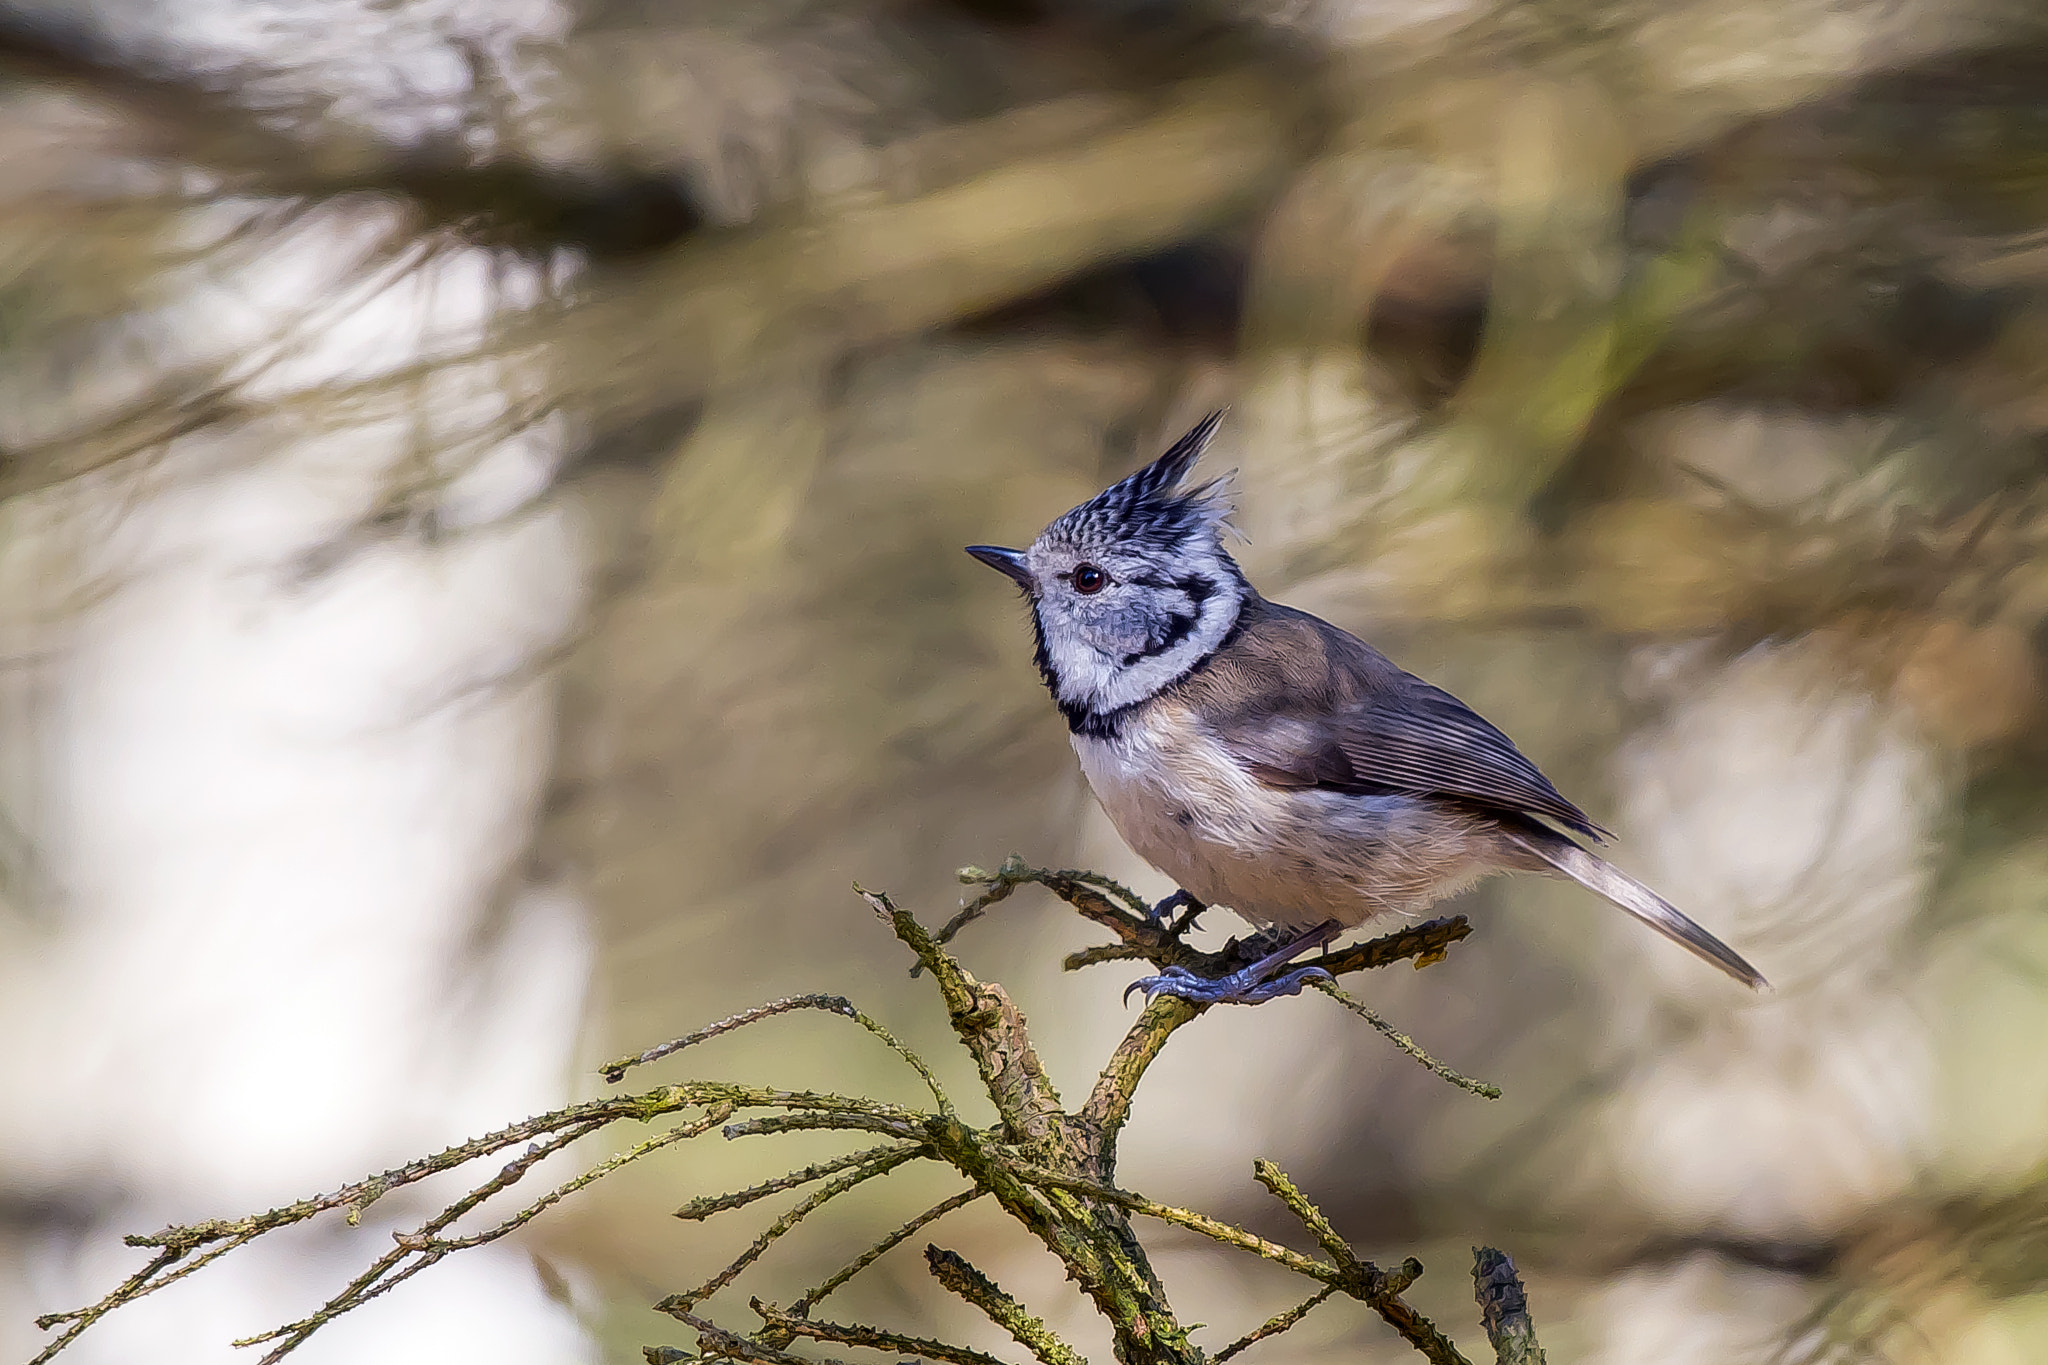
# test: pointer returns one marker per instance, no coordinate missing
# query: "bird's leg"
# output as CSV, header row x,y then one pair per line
x,y
1254,985
1157,915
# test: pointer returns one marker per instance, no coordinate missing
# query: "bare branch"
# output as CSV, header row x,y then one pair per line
x,y
955,1272
1212,1228
992,1028
1109,1104
1051,1172
855,1334
858,1176
1274,1326
706,1205
615,1071
874,1253
1405,1043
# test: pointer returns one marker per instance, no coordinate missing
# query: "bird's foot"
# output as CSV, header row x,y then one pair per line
x,y
1252,985
1244,987
1158,915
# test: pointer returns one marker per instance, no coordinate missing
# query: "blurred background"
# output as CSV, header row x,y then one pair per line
x,y
481,489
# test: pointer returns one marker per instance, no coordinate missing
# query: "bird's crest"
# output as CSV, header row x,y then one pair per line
x,y
1150,507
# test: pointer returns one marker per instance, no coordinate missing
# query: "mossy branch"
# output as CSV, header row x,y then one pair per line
x,y
1050,1169
954,1271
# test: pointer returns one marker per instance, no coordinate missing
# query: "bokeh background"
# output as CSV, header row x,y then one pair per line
x,y
481,489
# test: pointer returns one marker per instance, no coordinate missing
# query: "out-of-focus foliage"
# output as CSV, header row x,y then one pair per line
x,y
1664,378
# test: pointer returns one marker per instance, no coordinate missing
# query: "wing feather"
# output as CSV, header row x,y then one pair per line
x,y
1337,715
1430,743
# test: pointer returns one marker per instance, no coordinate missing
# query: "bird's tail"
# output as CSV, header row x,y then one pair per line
x,y
1598,875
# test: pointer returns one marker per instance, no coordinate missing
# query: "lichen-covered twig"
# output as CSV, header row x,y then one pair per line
x,y
1213,1228
989,1026
1380,1290
857,1176
1274,1326
705,1205
615,1071
781,1324
1405,1043
882,1248
956,1273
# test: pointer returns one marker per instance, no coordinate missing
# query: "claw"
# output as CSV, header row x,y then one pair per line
x,y
1239,988
1157,915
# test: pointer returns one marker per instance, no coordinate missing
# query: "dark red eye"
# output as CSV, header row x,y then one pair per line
x,y
1088,579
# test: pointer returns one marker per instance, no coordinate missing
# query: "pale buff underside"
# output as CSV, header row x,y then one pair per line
x,y
1289,857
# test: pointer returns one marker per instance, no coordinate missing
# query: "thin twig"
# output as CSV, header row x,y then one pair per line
x,y
705,1205
716,1341
1212,1228
828,1121
682,1132
1405,1043
880,1339
882,1248
1015,873
859,1175
1132,919
1287,1192
133,1287
1380,1290
1100,953
615,1071
955,1272
391,1269
1274,1326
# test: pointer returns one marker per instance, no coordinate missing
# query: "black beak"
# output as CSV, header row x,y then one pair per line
x,y
1010,562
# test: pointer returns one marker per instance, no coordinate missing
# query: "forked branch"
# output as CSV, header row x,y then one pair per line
x,y
1051,1170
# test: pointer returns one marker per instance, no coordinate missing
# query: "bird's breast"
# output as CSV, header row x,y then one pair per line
x,y
1284,856
1165,782
1186,806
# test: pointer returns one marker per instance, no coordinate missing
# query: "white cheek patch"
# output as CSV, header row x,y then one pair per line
x,y
1100,681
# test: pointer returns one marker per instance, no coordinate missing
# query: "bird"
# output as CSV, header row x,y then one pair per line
x,y
1269,761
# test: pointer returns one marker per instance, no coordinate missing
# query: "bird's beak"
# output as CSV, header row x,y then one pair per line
x,y
1010,562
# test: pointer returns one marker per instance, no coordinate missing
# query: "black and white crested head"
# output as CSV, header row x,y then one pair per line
x,y
1133,588
1150,509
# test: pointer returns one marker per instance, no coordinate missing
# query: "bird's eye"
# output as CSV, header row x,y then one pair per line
x,y
1089,580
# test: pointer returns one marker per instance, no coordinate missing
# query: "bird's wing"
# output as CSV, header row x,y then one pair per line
x,y
1408,737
